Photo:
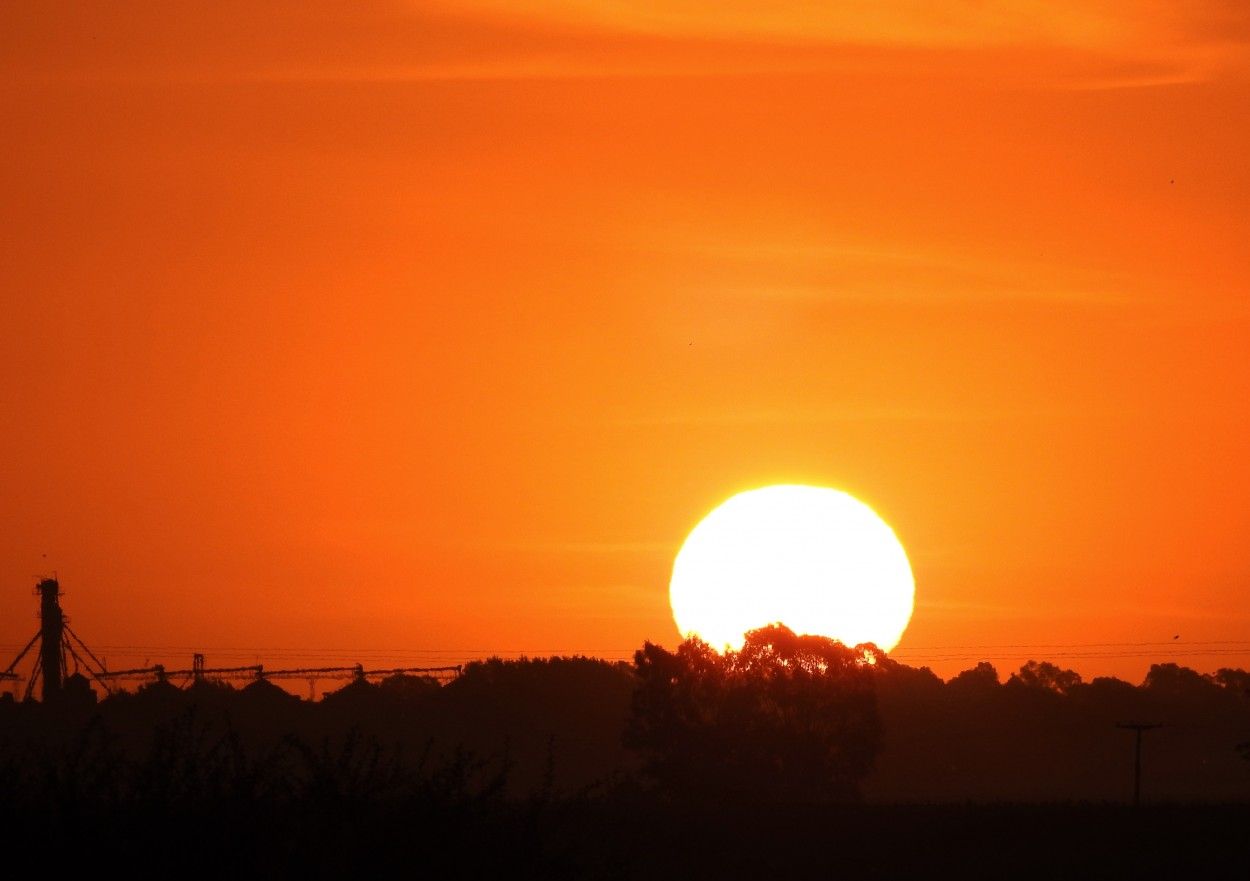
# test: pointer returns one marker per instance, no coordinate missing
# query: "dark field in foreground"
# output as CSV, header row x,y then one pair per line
x,y
634,838
521,770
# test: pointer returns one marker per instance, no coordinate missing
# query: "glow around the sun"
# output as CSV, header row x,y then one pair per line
x,y
814,559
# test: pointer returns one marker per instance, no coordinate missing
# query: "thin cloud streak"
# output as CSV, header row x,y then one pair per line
x,y
1114,611
790,269
1177,43
596,548
903,415
908,22
1066,45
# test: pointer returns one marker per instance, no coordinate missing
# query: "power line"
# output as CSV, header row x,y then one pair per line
x,y
913,655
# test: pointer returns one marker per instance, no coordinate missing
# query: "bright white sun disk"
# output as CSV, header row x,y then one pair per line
x,y
814,559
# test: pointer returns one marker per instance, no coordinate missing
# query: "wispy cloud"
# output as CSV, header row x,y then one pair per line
x,y
610,549
828,416
1111,611
1129,42
794,270
960,22
1098,44
964,607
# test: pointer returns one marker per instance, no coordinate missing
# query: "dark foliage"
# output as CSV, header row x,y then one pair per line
x,y
786,718
518,770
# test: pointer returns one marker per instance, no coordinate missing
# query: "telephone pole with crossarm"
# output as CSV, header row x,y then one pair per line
x,y
1137,727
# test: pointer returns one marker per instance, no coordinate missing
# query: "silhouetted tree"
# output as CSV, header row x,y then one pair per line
x,y
980,679
1046,676
405,686
891,674
1174,680
1232,679
1111,685
558,720
787,717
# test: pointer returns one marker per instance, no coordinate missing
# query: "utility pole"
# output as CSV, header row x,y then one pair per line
x,y
1137,727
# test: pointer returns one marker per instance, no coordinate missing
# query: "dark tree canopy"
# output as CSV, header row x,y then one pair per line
x,y
1046,676
1175,680
981,679
1232,679
786,717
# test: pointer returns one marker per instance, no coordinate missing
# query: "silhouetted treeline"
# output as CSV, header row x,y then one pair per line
x,y
795,753
1044,734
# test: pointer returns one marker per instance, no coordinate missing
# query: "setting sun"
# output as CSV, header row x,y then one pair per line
x,y
814,559
670,439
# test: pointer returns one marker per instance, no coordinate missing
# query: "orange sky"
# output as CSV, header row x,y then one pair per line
x,y
408,332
